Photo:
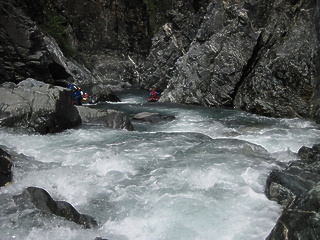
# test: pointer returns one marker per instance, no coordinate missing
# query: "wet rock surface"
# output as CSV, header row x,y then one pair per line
x,y
38,198
297,188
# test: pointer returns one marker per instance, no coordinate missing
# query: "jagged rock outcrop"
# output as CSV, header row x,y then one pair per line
x,y
171,42
93,26
5,168
37,106
106,117
23,52
38,198
297,188
260,56
27,52
283,75
107,36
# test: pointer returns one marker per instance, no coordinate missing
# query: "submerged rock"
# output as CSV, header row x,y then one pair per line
x,y
5,168
152,117
34,197
297,188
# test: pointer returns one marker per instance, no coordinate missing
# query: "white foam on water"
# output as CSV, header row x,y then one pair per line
x,y
198,177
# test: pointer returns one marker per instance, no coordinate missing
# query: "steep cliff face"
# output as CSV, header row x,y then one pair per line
x,y
100,34
260,56
284,71
22,48
171,42
93,26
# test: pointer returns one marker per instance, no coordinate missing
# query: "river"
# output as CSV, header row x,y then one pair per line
x,y
198,177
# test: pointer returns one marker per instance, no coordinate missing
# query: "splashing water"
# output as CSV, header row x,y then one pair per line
x,y
199,177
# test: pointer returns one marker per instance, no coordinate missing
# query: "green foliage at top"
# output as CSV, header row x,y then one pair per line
x,y
55,26
157,13
46,14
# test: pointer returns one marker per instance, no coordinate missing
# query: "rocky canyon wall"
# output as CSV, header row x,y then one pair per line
x,y
41,39
259,56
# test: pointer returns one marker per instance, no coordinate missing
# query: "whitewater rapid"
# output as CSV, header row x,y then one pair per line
x,y
199,177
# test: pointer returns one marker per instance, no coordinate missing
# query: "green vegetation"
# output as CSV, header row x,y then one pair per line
x,y
46,14
55,26
157,13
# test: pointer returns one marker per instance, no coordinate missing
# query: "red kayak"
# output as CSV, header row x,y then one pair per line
x,y
153,99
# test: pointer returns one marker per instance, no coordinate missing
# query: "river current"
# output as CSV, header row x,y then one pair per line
x,y
198,177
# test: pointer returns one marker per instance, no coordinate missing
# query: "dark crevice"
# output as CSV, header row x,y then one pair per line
x,y
250,65
253,60
58,72
196,5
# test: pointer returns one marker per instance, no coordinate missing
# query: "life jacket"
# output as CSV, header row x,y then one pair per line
x,y
77,93
154,94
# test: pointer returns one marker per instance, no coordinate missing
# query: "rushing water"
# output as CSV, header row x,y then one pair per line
x,y
199,177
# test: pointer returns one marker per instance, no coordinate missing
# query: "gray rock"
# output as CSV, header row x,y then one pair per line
x,y
300,220
109,118
259,56
297,188
171,42
91,35
37,106
33,197
103,93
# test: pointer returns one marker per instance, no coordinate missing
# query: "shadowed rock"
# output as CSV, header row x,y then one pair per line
x,y
5,168
103,93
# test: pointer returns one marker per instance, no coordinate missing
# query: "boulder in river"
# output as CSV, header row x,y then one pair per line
x,y
108,117
38,106
103,93
33,197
